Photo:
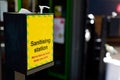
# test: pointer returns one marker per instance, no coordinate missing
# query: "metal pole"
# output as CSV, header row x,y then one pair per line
x,y
78,35
19,76
17,5
0,65
33,5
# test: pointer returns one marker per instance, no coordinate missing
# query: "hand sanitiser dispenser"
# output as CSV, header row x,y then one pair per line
x,y
29,42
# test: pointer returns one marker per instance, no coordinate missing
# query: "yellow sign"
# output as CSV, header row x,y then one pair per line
x,y
39,40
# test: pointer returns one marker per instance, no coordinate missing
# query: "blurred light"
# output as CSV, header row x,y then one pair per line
x,y
1,28
111,61
92,21
98,40
2,44
118,8
91,16
87,35
114,14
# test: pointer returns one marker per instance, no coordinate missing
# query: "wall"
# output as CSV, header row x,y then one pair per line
x,y
102,7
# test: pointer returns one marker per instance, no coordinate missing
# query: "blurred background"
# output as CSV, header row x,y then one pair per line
x,y
86,39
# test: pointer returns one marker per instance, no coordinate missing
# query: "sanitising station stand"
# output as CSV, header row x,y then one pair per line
x,y
29,43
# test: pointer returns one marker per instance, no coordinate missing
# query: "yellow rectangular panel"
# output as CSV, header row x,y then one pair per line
x,y
39,40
